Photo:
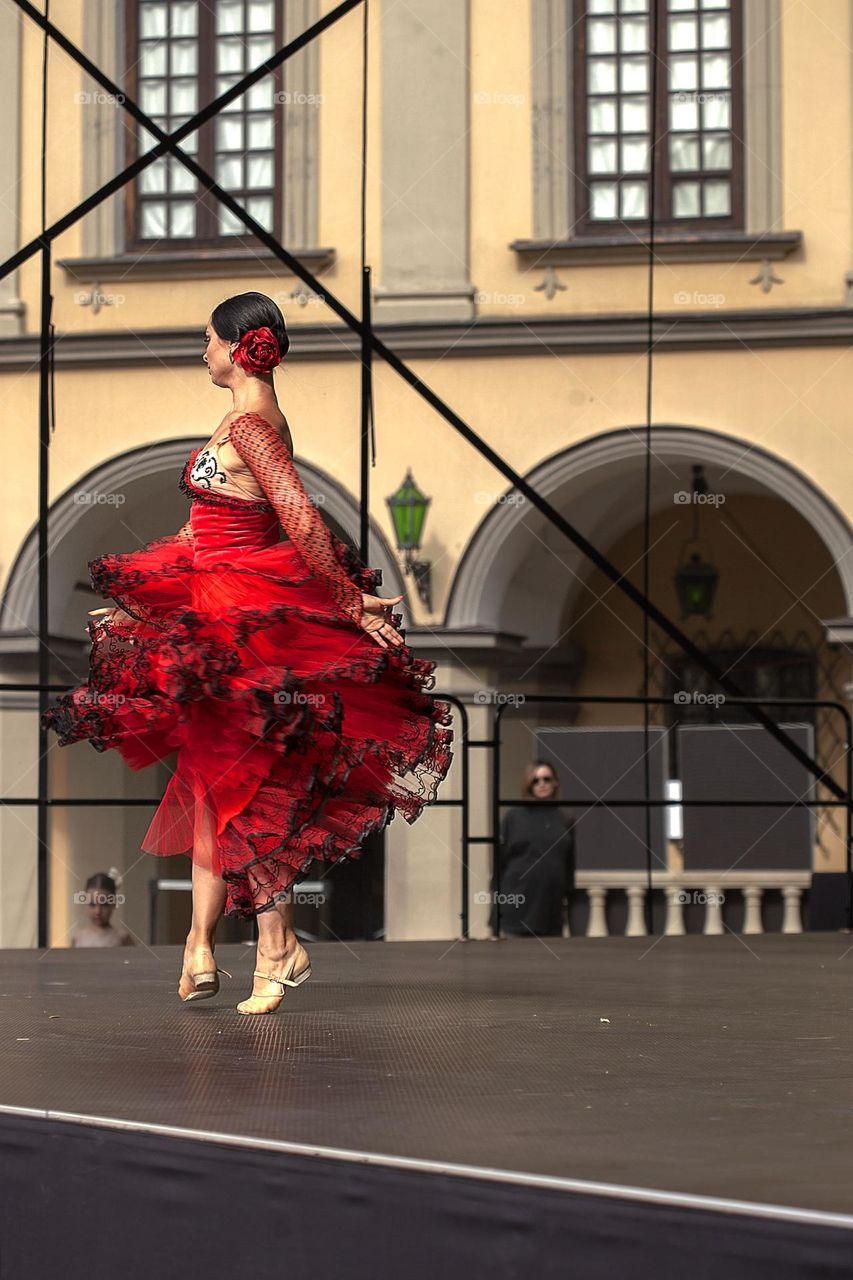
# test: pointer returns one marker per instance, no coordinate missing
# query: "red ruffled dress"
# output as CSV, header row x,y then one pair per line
x,y
296,734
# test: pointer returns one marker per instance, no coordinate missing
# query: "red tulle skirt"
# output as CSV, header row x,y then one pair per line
x,y
296,735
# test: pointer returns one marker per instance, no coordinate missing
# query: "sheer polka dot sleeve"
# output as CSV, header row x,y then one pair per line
x,y
265,453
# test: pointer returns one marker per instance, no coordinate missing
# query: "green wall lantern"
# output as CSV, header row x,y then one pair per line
x,y
408,507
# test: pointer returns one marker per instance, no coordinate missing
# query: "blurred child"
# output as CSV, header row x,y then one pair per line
x,y
99,930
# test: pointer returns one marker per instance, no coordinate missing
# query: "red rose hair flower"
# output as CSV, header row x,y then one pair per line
x,y
258,351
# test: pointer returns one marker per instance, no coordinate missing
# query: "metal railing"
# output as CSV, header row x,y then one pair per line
x,y
462,745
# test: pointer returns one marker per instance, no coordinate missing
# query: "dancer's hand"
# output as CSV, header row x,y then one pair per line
x,y
375,620
116,615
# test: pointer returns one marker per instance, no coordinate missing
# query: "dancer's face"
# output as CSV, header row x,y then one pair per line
x,y
217,357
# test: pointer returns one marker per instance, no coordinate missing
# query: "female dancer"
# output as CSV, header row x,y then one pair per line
x,y
297,711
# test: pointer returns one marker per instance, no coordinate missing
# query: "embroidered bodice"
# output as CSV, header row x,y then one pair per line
x,y
271,463
207,472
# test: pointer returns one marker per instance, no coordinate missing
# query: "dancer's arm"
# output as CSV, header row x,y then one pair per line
x,y
270,461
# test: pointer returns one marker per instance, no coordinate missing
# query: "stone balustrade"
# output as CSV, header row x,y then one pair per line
x,y
707,889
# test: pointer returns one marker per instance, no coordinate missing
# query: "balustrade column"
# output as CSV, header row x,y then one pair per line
x,y
752,895
597,927
636,926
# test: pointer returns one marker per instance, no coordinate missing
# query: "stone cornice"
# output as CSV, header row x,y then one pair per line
x,y
199,264
534,335
701,246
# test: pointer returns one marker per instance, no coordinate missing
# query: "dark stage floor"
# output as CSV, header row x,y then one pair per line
x,y
717,1066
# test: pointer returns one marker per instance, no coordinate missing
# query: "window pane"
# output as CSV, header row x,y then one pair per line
x,y
603,199
260,130
259,48
260,172
635,156
682,33
715,71
260,207
182,219
153,179
184,18
602,156
152,60
602,116
229,225
146,139
601,6
715,4
716,111
715,31
681,4
716,151
684,152
229,134
182,97
635,115
633,200
184,58
180,178
259,97
683,111
635,75
152,97
601,75
634,35
152,21
717,199
261,15
683,73
229,55
153,220
634,6
225,82
602,37
229,172
229,15
685,200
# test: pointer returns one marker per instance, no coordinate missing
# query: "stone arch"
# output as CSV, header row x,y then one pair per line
x,y
594,482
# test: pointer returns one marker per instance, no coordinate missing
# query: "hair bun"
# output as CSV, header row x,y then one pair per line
x,y
246,312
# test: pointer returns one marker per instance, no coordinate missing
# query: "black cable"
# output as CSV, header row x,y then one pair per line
x,y
42,584
647,512
368,390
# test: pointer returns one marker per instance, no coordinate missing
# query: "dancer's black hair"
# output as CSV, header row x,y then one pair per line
x,y
236,316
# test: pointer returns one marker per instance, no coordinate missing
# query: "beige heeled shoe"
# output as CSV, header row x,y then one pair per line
x,y
200,986
288,978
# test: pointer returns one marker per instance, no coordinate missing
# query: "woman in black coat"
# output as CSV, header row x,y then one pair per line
x,y
536,860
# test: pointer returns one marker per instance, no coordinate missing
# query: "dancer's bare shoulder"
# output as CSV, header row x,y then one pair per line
x,y
274,417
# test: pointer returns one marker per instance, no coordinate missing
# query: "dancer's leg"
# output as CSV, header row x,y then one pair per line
x,y
279,952
209,892
277,939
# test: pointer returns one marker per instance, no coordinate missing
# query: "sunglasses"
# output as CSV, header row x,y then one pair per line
x,y
544,777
